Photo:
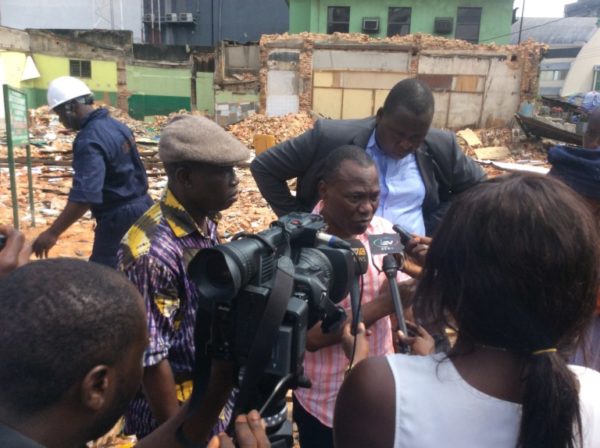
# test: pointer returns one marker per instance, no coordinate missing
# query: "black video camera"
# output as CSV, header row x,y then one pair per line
x,y
261,292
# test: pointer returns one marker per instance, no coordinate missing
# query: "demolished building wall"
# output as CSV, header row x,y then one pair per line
x,y
349,75
236,86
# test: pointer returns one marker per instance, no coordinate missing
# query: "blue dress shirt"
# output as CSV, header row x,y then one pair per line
x,y
402,189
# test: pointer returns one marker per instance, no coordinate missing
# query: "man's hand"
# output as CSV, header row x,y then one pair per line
x,y
249,433
44,242
406,289
422,344
16,250
47,239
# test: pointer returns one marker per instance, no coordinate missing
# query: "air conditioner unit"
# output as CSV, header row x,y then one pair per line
x,y
443,25
171,17
370,24
148,18
186,17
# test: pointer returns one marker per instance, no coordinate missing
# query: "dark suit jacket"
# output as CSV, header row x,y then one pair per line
x,y
445,170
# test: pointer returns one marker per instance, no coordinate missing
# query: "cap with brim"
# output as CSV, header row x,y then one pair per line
x,y
577,167
192,138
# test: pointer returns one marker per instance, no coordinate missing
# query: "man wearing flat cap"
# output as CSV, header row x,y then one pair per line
x,y
199,158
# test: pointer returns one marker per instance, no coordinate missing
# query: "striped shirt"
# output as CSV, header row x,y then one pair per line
x,y
326,366
154,255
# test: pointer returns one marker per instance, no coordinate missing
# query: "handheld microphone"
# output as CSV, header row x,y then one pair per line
x,y
361,265
361,256
390,268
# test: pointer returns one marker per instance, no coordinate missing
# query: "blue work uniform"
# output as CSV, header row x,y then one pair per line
x,y
108,175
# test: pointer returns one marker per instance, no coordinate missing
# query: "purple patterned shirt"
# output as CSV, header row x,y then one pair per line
x,y
154,255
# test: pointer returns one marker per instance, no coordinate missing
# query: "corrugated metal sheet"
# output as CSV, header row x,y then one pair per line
x,y
553,31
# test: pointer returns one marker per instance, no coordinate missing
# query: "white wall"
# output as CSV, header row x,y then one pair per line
x,y
72,14
581,75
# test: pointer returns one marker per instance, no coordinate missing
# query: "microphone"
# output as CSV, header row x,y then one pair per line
x,y
361,257
390,267
361,264
331,240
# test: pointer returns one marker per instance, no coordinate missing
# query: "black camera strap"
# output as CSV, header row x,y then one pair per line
x,y
266,334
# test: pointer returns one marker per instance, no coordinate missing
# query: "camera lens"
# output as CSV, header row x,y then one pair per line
x,y
217,271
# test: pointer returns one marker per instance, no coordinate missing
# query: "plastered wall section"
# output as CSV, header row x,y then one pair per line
x,y
354,84
205,92
471,87
283,84
476,90
14,64
157,91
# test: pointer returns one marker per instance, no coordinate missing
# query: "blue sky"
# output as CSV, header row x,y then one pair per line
x,y
542,8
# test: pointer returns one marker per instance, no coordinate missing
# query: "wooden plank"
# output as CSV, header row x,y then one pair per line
x,y
492,153
521,168
470,137
467,83
437,82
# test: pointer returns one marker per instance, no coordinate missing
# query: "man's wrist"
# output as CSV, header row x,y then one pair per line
x,y
53,231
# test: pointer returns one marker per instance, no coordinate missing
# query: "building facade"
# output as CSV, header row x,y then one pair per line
x,y
207,22
124,15
565,38
476,21
583,8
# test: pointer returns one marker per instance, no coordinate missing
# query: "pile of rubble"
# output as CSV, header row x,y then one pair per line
x,y
416,40
282,128
503,149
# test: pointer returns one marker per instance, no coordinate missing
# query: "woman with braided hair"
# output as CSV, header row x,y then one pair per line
x,y
514,269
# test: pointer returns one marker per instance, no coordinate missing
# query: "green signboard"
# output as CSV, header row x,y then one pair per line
x,y
17,134
15,107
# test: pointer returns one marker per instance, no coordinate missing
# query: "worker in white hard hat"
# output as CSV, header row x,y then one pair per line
x,y
109,178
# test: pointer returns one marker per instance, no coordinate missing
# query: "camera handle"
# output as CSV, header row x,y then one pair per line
x,y
390,268
260,353
355,302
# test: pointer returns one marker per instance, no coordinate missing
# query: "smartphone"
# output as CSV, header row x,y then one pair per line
x,y
405,235
2,241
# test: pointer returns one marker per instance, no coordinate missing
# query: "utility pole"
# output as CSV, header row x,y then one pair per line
x,y
103,14
521,24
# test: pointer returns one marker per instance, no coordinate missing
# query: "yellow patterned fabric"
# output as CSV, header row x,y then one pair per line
x,y
138,239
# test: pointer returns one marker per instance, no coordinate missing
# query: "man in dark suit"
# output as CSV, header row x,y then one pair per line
x,y
420,169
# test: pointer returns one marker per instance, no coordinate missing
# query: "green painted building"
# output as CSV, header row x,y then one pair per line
x,y
158,91
477,21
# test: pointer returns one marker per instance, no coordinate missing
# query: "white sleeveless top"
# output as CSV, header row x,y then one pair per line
x,y
436,408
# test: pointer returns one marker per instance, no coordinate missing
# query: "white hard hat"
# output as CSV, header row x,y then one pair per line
x,y
66,88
